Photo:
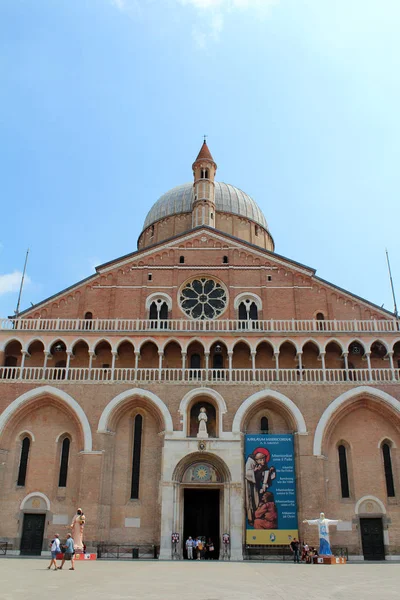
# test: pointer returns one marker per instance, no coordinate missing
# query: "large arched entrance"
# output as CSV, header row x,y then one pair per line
x,y
202,494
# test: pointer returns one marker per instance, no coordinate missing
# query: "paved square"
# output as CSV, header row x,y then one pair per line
x,y
22,579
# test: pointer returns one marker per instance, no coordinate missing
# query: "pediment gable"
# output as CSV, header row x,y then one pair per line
x,y
244,256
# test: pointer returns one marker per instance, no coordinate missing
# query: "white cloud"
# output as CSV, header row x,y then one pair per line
x,y
210,14
10,282
213,12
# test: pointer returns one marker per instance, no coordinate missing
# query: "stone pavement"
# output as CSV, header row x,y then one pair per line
x,y
29,579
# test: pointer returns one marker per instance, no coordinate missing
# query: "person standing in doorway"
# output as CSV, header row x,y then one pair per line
x,y
210,549
69,553
200,548
189,547
54,549
295,548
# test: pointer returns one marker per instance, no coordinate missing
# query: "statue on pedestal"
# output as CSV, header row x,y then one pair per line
x,y
323,530
77,526
202,423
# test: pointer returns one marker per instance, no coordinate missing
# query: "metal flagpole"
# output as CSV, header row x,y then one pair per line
x,y
391,283
22,285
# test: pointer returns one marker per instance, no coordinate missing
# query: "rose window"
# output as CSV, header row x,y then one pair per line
x,y
203,299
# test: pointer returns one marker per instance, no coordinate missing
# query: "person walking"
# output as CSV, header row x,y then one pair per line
x,y
295,548
69,553
54,549
189,548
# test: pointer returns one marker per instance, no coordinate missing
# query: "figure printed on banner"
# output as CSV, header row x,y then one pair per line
x,y
260,505
270,485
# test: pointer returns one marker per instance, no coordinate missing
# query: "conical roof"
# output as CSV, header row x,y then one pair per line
x,y
204,153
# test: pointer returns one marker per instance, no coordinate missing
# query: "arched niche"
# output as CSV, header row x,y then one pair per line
x,y
199,395
273,402
211,417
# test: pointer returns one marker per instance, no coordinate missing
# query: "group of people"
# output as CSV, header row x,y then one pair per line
x,y
307,552
198,548
68,550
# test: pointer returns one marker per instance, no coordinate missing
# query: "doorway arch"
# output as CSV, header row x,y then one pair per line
x,y
202,490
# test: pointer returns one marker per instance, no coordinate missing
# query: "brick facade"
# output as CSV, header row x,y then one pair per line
x,y
88,380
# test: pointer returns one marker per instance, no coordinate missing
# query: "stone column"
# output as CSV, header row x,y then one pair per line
x,y
24,355
91,357
253,364
322,357
276,356
368,357
160,359
346,364
46,357
67,364
184,356
300,356
2,356
114,358
230,356
206,357
137,356
391,363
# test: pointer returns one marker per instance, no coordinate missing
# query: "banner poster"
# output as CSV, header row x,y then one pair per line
x,y
270,481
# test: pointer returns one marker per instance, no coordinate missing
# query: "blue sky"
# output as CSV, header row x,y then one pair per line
x,y
103,105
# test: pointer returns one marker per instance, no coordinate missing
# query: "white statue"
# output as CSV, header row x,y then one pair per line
x,y
202,423
323,530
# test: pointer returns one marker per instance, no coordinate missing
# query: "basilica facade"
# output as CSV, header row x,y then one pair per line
x,y
102,386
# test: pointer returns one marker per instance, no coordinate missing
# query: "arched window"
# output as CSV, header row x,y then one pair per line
x,y
158,311
181,260
247,311
204,174
23,461
320,321
62,478
88,320
153,313
137,448
264,425
225,260
344,476
387,462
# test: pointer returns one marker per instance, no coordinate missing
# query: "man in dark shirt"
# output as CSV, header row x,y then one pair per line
x,y
295,548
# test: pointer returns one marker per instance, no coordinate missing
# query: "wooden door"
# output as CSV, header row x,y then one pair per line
x,y
32,534
372,539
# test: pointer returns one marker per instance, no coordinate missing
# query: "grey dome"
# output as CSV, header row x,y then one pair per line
x,y
227,199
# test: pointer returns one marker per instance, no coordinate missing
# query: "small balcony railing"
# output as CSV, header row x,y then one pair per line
x,y
188,325
195,376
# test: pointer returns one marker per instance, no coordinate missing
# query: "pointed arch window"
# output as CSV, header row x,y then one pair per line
x,y
137,449
387,463
159,312
247,311
344,475
62,477
23,461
